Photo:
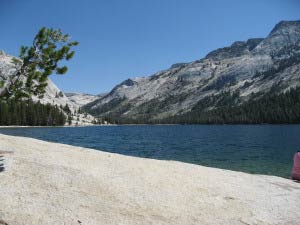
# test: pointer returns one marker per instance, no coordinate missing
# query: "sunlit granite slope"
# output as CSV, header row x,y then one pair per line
x,y
47,183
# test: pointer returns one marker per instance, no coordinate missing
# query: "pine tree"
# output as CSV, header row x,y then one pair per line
x,y
36,63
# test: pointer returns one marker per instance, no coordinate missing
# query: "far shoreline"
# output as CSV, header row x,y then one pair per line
x,y
149,124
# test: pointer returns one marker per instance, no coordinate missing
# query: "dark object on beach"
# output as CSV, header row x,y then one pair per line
x,y
3,222
5,152
1,169
296,167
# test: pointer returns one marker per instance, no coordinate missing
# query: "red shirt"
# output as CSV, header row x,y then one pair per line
x,y
296,167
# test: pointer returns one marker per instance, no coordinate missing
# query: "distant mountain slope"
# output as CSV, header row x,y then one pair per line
x,y
244,69
80,99
53,94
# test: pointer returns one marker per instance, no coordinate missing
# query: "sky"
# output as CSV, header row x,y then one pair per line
x,y
121,39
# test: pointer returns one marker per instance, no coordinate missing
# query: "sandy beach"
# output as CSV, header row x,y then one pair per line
x,y
47,183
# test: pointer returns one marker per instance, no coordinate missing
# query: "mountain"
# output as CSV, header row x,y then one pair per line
x,y
53,94
243,72
80,99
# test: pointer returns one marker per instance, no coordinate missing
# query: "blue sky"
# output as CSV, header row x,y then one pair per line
x,y
121,39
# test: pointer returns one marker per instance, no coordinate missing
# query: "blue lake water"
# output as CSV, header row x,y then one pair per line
x,y
260,149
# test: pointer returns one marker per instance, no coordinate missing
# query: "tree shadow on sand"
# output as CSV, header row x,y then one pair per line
x,y
2,153
3,222
1,164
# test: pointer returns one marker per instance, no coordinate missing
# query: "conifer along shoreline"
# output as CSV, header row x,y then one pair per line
x,y
28,78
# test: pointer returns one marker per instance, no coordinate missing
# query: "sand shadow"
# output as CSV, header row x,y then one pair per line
x,y
1,164
2,168
3,222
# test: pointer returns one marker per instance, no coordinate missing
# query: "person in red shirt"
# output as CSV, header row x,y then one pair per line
x,y
296,167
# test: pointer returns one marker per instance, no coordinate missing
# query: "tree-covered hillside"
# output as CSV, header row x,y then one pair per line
x,y
28,113
225,108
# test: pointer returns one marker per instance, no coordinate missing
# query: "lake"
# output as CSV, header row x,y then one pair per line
x,y
259,149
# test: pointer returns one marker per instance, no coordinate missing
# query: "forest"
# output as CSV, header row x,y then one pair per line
x,y
227,108
270,108
29,113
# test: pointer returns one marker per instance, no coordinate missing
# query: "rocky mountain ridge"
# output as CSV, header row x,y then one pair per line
x,y
248,68
81,99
